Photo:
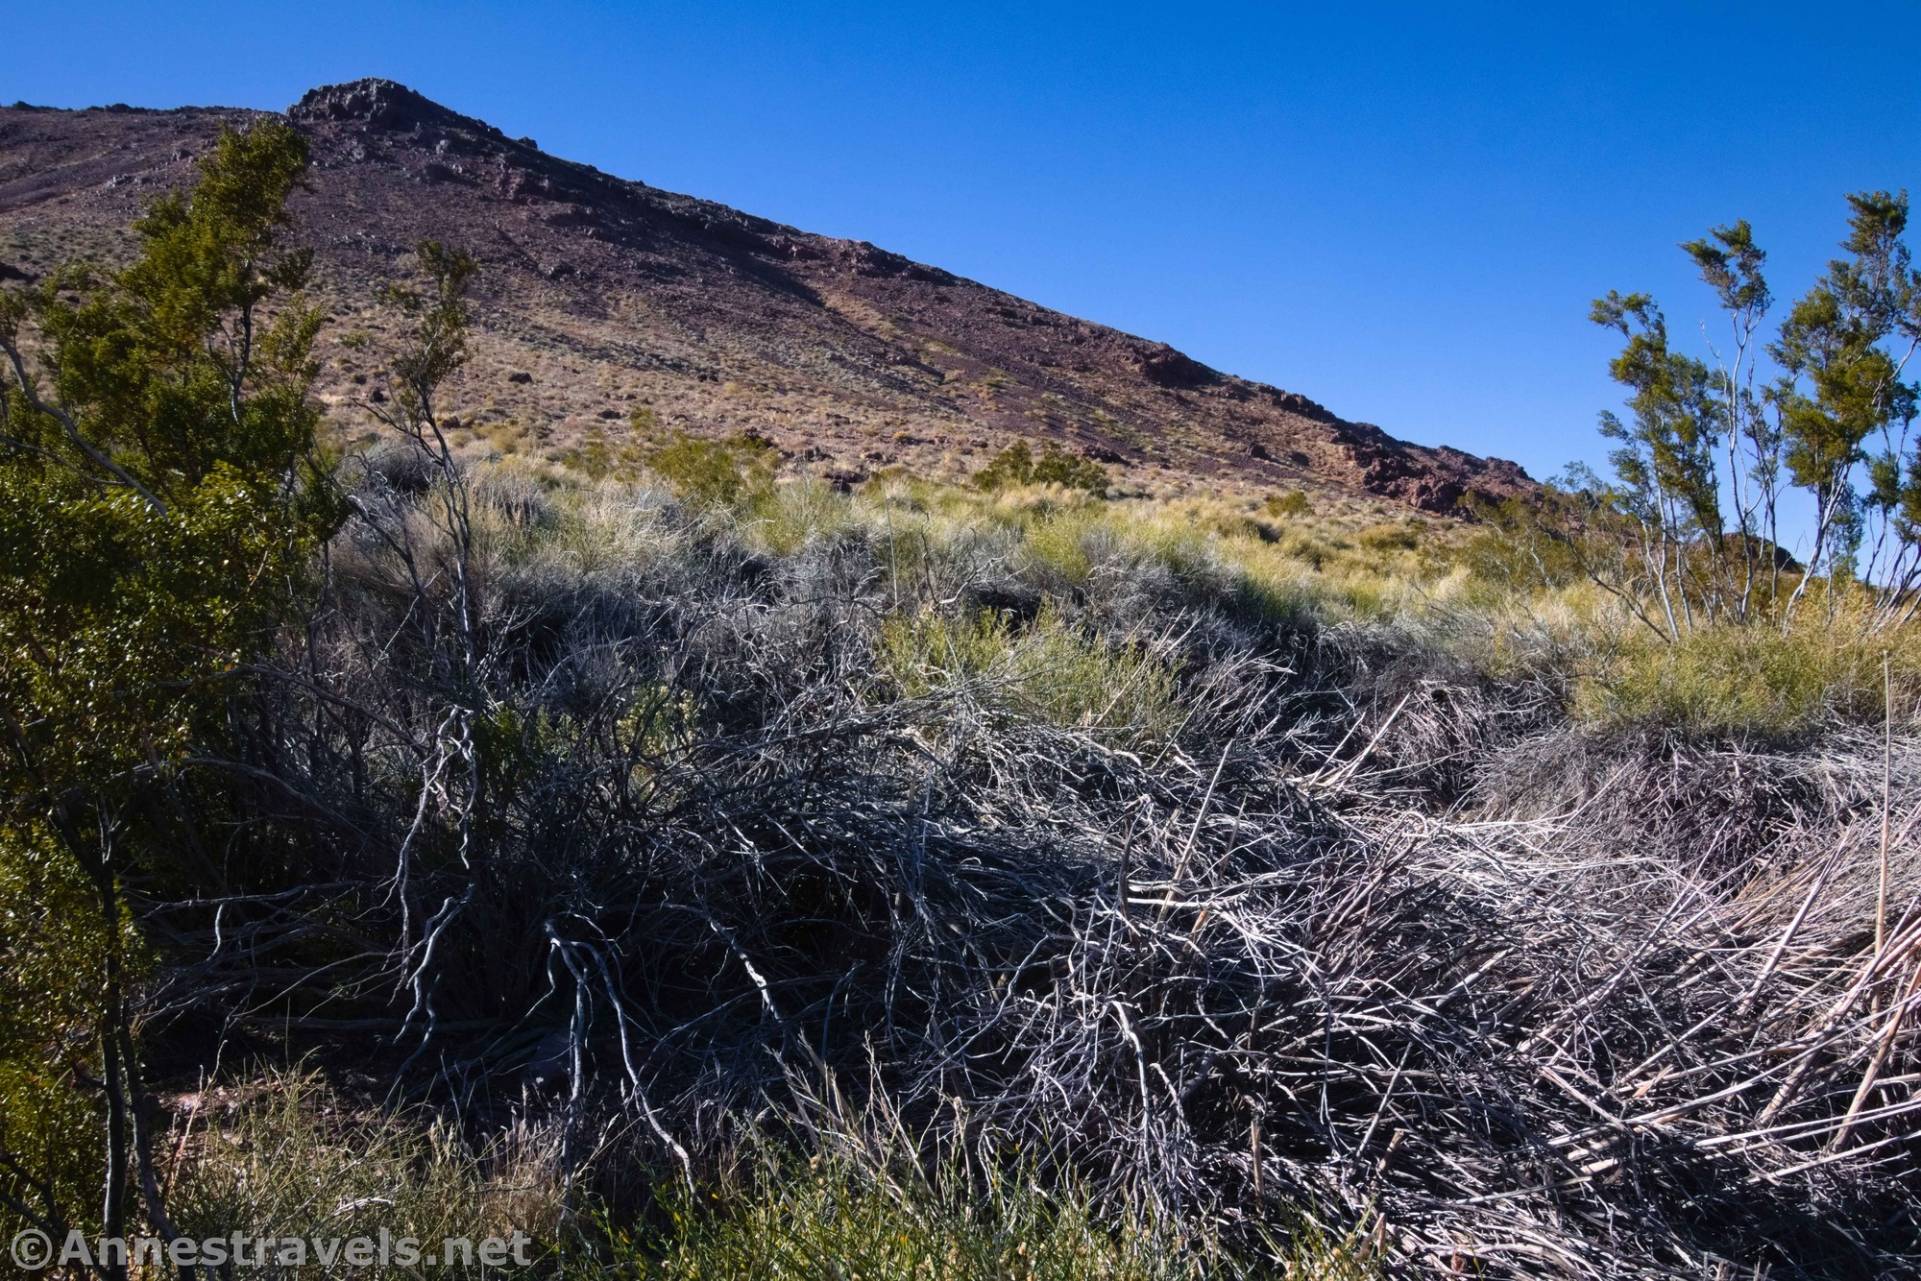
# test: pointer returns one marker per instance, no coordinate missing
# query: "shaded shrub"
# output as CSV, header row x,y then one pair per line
x,y
398,465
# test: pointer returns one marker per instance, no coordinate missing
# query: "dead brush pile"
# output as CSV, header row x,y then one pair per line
x,y
647,830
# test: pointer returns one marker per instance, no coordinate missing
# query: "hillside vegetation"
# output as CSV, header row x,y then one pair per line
x,y
711,873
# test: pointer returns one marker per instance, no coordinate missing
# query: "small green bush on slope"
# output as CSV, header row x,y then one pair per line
x,y
715,472
1293,504
1016,466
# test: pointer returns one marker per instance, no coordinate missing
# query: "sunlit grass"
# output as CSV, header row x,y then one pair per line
x,y
833,1221
1754,679
1045,668
1321,567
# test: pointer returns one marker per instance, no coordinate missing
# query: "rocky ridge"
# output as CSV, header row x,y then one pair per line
x,y
602,296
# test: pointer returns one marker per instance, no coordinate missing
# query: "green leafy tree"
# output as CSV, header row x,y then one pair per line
x,y
161,497
1689,524
1843,406
1666,456
1731,264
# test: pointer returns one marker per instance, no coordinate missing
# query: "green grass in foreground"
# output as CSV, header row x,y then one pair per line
x,y
290,1160
834,1221
832,1224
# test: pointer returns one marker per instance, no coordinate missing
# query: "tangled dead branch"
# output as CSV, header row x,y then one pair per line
x,y
1378,947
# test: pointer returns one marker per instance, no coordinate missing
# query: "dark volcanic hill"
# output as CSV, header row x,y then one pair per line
x,y
600,295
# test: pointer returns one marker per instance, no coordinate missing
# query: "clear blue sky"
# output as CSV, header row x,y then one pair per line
x,y
1401,211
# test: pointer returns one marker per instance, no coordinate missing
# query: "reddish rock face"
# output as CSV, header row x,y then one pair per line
x,y
600,296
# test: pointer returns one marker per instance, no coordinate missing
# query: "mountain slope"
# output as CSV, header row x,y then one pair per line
x,y
600,295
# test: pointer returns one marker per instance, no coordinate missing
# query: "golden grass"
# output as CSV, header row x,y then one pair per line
x,y
1345,564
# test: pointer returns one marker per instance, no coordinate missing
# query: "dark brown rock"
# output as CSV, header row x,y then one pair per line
x,y
1165,367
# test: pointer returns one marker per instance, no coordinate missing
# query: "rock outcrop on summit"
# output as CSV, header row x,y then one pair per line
x,y
601,296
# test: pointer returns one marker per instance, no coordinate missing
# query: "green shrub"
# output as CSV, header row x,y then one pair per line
x,y
1522,544
1012,466
1293,503
53,952
928,652
162,503
1058,468
1016,466
722,473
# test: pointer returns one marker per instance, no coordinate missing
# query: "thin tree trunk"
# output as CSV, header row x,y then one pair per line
x,y
113,1210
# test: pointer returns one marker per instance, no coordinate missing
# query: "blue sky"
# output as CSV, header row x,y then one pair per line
x,y
1401,211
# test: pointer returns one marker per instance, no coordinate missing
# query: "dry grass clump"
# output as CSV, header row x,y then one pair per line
x,y
1124,692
